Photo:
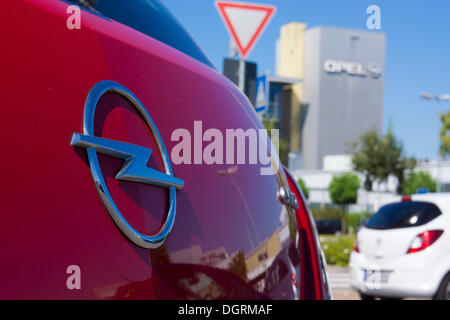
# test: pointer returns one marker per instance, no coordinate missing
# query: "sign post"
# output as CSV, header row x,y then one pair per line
x,y
245,22
242,74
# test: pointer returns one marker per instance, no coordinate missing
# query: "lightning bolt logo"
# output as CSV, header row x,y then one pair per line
x,y
134,168
136,157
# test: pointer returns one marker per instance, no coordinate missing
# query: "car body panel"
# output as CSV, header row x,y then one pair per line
x,y
386,243
314,280
52,215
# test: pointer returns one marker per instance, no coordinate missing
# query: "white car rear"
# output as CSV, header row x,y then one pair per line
x,y
404,250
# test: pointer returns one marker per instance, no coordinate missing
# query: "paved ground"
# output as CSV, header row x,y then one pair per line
x,y
339,279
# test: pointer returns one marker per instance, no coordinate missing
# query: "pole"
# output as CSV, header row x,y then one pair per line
x,y
242,75
241,69
438,181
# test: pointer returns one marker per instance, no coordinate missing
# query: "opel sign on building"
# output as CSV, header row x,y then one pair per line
x,y
339,95
352,68
343,90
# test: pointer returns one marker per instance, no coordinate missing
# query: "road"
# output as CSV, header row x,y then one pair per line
x,y
339,279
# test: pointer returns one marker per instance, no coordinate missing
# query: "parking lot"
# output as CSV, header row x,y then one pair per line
x,y
339,280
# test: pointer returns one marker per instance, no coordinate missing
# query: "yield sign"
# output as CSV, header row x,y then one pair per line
x,y
245,22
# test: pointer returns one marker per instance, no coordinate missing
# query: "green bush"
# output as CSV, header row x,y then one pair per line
x,y
353,220
337,249
419,180
328,212
344,189
302,185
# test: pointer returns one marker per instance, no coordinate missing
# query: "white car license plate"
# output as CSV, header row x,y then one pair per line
x,y
376,276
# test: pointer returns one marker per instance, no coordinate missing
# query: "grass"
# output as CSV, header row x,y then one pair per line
x,y
337,249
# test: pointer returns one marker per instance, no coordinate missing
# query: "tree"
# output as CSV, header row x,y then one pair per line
x,y
445,137
302,185
344,191
396,163
419,180
269,123
367,159
378,157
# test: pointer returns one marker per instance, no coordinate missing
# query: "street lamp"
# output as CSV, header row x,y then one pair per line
x,y
430,97
444,97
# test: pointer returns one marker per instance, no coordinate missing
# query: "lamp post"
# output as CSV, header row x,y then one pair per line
x,y
438,98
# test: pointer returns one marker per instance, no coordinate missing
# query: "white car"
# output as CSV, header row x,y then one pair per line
x,y
404,250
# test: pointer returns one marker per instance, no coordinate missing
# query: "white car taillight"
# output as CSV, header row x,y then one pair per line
x,y
424,240
356,247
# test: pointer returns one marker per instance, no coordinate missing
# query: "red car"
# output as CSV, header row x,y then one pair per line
x,y
93,205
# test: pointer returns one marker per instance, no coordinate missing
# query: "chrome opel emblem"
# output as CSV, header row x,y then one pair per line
x,y
135,164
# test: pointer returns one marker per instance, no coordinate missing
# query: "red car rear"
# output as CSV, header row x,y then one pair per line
x,y
82,108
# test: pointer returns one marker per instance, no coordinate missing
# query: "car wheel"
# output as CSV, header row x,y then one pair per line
x,y
366,297
443,292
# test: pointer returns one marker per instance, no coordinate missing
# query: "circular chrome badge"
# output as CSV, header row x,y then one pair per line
x,y
135,164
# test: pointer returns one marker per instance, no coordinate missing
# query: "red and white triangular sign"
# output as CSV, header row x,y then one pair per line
x,y
245,22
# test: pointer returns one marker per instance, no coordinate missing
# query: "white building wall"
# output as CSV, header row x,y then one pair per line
x,y
317,181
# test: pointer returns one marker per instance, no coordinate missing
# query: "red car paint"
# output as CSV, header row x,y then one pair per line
x,y
52,216
314,281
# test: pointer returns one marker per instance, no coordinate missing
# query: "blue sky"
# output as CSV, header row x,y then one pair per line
x,y
417,54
